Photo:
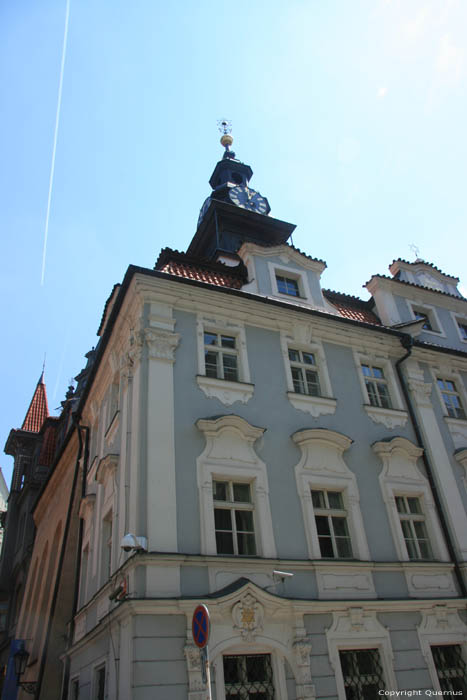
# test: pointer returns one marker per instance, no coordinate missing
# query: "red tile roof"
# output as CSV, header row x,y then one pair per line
x,y
351,307
175,263
38,409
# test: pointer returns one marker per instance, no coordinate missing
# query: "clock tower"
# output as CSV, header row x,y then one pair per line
x,y
234,212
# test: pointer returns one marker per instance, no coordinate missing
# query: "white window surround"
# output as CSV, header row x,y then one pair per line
x,y
459,320
457,426
431,314
314,405
359,629
322,467
300,276
102,663
229,454
227,392
440,625
277,663
390,417
461,457
400,476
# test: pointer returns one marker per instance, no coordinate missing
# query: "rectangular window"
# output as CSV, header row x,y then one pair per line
x,y
233,518
419,315
450,667
99,683
451,398
248,677
413,527
331,524
363,674
376,386
74,689
287,285
221,356
462,330
304,373
106,547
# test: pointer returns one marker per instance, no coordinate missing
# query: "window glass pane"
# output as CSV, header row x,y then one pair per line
x,y
241,493
384,399
210,361
222,519
308,358
400,504
232,669
244,520
312,382
372,395
246,544
322,525
317,498
335,500
219,490
425,549
450,386
227,341
406,529
414,505
378,373
325,547
298,383
230,367
366,371
293,355
344,550
340,527
224,543
210,339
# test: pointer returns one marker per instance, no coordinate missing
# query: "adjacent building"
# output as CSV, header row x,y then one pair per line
x,y
292,457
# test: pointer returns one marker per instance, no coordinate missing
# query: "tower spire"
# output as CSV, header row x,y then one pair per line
x,y
38,409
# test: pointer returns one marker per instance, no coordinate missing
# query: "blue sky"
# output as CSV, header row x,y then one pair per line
x,y
351,114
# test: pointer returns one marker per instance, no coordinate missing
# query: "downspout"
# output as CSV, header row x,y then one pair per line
x,y
60,564
66,670
407,344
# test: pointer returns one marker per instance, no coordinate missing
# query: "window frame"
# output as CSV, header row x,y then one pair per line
x,y
291,273
95,687
400,476
458,384
226,436
393,417
431,315
225,390
440,626
411,518
357,630
459,321
277,663
322,467
325,403
233,506
330,514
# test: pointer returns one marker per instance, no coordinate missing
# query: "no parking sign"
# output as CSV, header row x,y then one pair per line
x,y
200,629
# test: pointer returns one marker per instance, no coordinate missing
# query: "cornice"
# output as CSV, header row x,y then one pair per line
x,y
285,253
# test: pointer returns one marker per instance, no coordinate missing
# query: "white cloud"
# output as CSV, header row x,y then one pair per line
x,y
450,59
382,92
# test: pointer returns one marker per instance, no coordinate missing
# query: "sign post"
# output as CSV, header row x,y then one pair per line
x,y
201,628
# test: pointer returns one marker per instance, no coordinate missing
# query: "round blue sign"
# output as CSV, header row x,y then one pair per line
x,y
200,626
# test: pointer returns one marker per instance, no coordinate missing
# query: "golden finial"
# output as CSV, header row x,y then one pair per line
x,y
225,127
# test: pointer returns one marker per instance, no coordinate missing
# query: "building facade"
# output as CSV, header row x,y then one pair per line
x,y
294,458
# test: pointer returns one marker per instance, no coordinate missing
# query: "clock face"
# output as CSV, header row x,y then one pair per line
x,y
249,199
204,209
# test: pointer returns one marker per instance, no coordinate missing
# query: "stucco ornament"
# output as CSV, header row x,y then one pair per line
x,y
197,689
248,616
192,657
302,651
421,391
161,344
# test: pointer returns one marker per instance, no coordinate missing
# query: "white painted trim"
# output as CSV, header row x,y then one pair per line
x,y
389,416
225,391
291,273
456,319
229,453
300,339
359,629
440,626
432,315
266,647
400,476
457,426
322,466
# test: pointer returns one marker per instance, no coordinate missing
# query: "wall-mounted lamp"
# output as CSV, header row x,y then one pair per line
x,y
21,661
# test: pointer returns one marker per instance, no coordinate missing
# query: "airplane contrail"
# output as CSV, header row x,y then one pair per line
x,y
54,150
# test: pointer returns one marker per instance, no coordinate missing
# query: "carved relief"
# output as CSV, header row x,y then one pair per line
x,y
161,344
421,392
302,651
248,616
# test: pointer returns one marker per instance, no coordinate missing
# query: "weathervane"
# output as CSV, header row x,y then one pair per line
x,y
416,250
225,127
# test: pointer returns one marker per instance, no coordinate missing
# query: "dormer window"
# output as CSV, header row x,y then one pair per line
x,y
287,285
419,315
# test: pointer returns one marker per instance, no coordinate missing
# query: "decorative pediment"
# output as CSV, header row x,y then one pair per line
x,y
322,450
87,505
106,468
229,438
399,457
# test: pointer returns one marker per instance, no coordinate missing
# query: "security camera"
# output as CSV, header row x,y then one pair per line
x,y
130,542
282,574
